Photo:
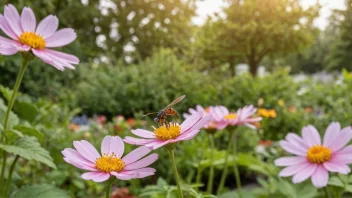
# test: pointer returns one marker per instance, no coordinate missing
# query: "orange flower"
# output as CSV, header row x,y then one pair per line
x,y
292,109
73,127
131,122
308,109
267,113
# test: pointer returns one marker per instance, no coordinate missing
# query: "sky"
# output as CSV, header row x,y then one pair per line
x,y
208,7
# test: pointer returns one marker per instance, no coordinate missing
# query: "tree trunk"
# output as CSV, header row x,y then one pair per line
x,y
253,66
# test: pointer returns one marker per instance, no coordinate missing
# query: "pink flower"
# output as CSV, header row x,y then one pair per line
x,y
243,116
111,162
314,158
26,37
212,125
169,134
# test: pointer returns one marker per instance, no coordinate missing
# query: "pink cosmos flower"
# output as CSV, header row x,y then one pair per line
x,y
169,134
243,116
25,36
111,162
315,158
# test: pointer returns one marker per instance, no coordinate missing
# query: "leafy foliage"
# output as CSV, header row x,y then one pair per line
x,y
39,191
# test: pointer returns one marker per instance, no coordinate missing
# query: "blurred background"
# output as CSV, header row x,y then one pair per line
x,y
292,57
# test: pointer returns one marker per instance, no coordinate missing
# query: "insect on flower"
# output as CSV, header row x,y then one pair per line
x,y
161,117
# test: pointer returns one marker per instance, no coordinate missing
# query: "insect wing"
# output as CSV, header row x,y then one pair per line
x,y
150,113
176,101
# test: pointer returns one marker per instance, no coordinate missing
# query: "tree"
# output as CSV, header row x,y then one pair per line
x,y
254,29
340,56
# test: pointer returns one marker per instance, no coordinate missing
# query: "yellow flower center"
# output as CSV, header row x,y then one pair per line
x,y
230,116
109,163
318,154
33,40
172,131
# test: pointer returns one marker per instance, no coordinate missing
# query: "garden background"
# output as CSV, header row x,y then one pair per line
x,y
136,56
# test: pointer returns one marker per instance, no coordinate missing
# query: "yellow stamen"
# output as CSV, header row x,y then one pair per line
x,y
109,163
318,154
33,40
231,116
172,131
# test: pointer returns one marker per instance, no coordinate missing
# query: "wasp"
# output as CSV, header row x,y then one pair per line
x,y
161,117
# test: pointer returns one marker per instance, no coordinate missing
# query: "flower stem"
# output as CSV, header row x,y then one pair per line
x,y
9,179
211,172
326,192
7,115
177,178
235,167
108,187
224,172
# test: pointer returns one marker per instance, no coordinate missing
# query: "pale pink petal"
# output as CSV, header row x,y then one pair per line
x,y
117,146
79,165
28,20
63,56
192,111
73,155
137,141
297,141
190,122
290,161
96,176
331,132
86,150
124,175
40,54
203,121
144,172
341,158
304,174
61,38
200,108
47,26
250,125
320,177
311,136
291,170
346,150
335,167
187,135
157,144
105,145
186,115
8,50
341,139
13,19
6,28
291,148
142,163
136,154
143,133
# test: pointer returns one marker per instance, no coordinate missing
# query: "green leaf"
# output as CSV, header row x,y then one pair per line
x,y
26,110
13,135
6,92
25,130
30,149
39,191
335,181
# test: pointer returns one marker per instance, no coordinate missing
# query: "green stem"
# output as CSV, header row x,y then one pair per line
x,y
224,172
326,192
9,179
177,178
108,187
235,167
7,115
199,176
211,172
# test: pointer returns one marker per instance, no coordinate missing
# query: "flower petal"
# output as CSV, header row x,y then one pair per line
x,y
13,19
291,170
304,174
135,155
191,121
142,163
143,133
8,50
311,136
51,57
78,165
137,141
291,148
63,56
289,161
61,38
6,28
44,57
96,176
87,150
47,26
125,175
74,155
335,167
320,177
28,20
331,132
297,141
341,139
